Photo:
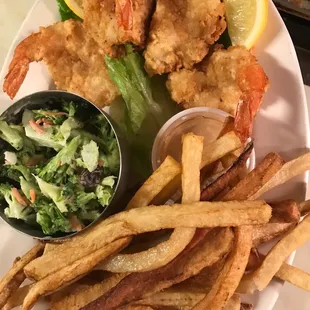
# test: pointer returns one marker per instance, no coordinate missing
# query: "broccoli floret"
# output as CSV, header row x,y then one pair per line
x,y
58,165
83,199
50,218
53,192
11,135
27,186
15,209
47,137
14,172
89,216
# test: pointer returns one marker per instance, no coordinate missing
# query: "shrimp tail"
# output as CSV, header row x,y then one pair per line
x,y
254,83
25,53
125,14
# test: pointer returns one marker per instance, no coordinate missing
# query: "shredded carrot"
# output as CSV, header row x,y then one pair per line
x,y
47,121
36,127
44,121
75,222
19,198
32,193
50,113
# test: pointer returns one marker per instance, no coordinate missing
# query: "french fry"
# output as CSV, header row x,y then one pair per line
x,y
234,303
209,172
50,247
255,259
77,296
220,147
285,211
230,158
231,274
202,264
17,298
256,179
149,259
165,252
260,278
304,207
267,232
78,247
153,218
223,180
71,273
191,159
219,196
173,297
285,216
205,279
156,183
286,272
190,262
184,299
197,260
294,276
289,170
15,276
216,150
199,214
160,186
138,307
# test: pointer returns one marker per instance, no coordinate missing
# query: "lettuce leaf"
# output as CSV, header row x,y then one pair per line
x,y
90,155
139,115
129,75
65,12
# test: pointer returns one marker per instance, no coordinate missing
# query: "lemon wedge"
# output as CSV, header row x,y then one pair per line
x,y
246,20
76,6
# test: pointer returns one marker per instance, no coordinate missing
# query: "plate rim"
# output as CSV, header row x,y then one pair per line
x,y
299,78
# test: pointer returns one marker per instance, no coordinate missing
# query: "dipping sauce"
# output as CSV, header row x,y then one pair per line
x,y
206,122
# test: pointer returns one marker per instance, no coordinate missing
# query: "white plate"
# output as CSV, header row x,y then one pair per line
x,y
281,126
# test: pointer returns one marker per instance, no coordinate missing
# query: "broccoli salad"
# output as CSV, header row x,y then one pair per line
x,y
61,172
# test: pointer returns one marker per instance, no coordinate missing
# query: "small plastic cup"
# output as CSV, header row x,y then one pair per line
x,y
204,121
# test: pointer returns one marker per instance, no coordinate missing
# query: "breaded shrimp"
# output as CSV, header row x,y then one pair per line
x,y
114,22
74,60
230,80
181,32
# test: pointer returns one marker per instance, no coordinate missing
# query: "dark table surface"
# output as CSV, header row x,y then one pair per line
x,y
299,29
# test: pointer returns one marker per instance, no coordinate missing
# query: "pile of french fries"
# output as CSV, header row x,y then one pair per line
x,y
199,253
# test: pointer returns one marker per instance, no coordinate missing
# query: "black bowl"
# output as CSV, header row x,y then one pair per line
x,y
52,100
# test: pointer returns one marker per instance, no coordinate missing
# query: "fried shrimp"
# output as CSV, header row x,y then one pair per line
x,y
181,33
114,22
230,80
74,60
